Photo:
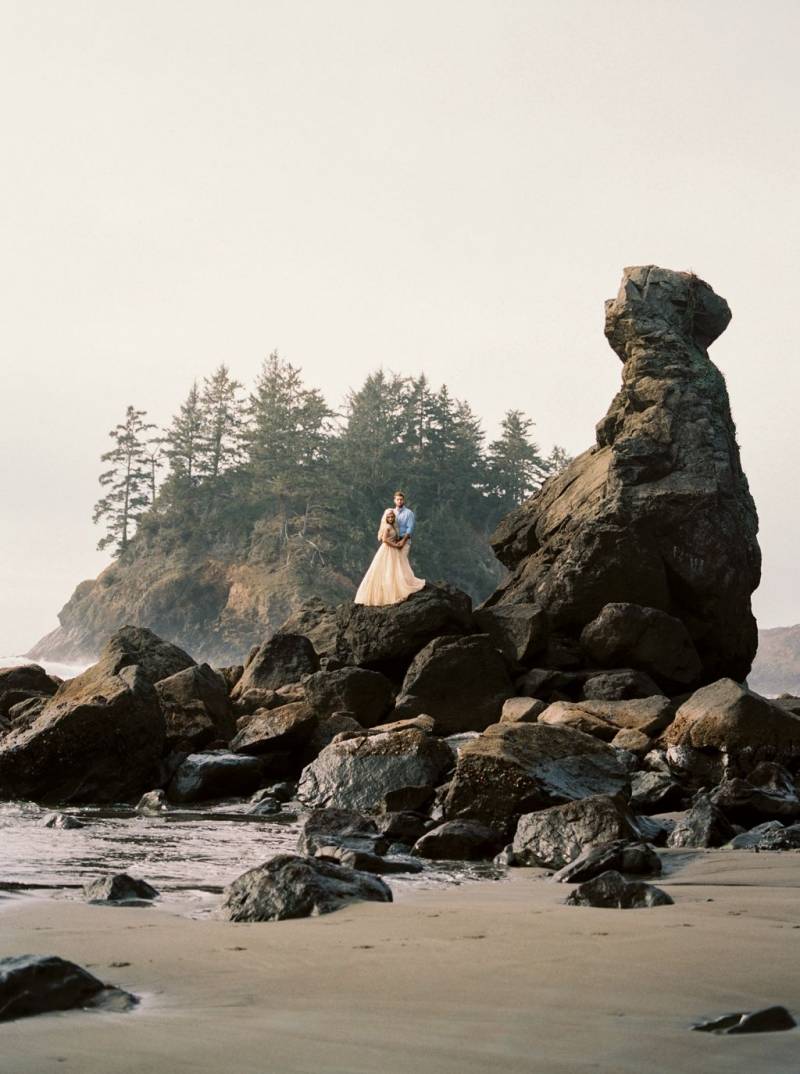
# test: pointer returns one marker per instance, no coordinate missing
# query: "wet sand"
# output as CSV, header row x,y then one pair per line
x,y
498,977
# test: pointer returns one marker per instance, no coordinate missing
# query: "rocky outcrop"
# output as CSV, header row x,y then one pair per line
x,y
555,837
611,891
658,513
366,695
119,888
605,719
281,660
24,683
204,776
196,708
36,984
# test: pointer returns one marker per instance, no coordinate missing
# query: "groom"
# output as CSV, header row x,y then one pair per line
x,y
404,517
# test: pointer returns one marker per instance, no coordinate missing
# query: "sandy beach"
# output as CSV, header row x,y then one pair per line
x,y
487,976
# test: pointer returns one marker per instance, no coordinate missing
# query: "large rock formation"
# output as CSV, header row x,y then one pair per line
x,y
656,515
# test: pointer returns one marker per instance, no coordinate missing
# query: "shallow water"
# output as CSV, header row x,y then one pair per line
x,y
188,854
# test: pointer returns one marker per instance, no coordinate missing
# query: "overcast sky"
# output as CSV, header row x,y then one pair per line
x,y
449,186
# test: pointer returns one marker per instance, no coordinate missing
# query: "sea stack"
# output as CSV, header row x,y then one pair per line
x,y
643,552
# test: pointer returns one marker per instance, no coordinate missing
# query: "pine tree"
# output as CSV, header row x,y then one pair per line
x,y
185,442
127,481
222,423
515,467
557,460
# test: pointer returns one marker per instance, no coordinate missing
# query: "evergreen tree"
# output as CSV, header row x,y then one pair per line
x,y
557,460
127,480
185,441
515,467
222,423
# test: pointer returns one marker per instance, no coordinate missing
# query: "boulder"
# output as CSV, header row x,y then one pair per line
x,y
522,710
519,631
265,807
359,772
727,721
152,803
22,683
119,888
644,638
367,695
369,863
98,739
215,774
317,622
286,728
555,837
768,793
771,835
326,731
459,840
461,682
619,685
612,891
196,708
63,821
387,638
632,741
402,827
157,659
23,713
704,825
516,768
290,886
36,984
655,792
283,659
619,856
766,1020
340,827
658,512
605,719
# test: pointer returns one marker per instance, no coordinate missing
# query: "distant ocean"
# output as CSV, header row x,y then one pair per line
x,y
64,671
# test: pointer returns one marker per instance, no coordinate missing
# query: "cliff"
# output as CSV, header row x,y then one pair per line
x,y
776,668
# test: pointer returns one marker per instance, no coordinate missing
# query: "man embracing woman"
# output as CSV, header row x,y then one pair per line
x,y
390,578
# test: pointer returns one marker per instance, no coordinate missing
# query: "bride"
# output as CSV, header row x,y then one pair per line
x,y
389,578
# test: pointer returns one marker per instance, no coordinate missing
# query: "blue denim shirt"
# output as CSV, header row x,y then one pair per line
x,y
405,521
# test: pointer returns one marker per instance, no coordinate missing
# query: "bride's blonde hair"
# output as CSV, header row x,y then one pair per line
x,y
385,521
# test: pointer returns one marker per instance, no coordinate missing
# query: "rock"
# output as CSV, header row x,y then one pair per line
x,y
604,719
133,645
359,772
36,984
519,631
506,857
632,742
326,731
402,827
367,695
215,774
619,685
522,710
730,722
287,728
655,792
387,638
555,837
618,856
461,682
404,799
265,807
317,622
253,700
610,890
644,638
283,791
768,793
771,835
118,888
291,886
25,712
420,723
766,1020
25,682
459,840
62,820
340,827
152,803
363,860
98,739
516,768
623,523
704,825
230,674
196,708
283,659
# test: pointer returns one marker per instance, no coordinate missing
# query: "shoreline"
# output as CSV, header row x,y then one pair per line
x,y
481,976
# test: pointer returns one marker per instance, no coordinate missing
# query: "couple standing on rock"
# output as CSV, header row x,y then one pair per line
x,y
390,578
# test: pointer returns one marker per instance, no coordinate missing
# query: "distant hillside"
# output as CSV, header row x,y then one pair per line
x,y
776,669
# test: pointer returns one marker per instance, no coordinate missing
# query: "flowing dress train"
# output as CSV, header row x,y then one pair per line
x,y
389,578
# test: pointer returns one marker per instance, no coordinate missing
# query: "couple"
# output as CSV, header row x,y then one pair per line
x,y
390,578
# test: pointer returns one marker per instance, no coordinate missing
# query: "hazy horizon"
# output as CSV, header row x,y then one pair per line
x,y
448,187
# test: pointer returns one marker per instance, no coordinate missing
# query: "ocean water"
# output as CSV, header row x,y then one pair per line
x,y
52,667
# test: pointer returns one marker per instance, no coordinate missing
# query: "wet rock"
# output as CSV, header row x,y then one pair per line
x,y
611,890
289,728
729,721
623,523
619,685
459,840
359,772
407,799
317,622
36,984
516,768
605,719
367,695
704,825
506,857
23,683
64,821
363,860
119,888
655,792
768,792
283,659
555,837
196,708
25,712
290,886
326,731
619,856
461,682
387,638
98,739
284,791
646,639
340,827
771,835
766,1020
132,645
519,631
402,827
215,774
152,803
265,807
522,710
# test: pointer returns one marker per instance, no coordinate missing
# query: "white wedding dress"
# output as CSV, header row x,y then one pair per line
x,y
389,578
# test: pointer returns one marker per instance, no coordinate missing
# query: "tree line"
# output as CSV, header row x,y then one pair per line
x,y
277,475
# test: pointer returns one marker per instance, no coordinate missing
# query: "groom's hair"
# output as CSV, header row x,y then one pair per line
x,y
400,492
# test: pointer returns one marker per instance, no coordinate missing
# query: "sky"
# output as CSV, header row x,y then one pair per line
x,y
451,186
